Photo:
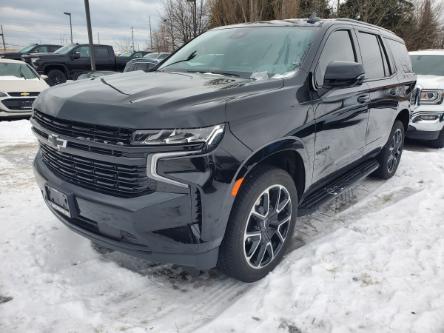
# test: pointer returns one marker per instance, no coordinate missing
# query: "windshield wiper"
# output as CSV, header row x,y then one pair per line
x,y
223,73
215,72
190,57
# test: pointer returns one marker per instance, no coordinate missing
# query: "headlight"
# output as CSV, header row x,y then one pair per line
x,y
210,136
431,96
2,94
35,60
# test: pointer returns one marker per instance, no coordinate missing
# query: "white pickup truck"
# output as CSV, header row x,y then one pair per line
x,y
427,118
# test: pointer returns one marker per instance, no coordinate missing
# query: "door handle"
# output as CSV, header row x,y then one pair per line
x,y
364,99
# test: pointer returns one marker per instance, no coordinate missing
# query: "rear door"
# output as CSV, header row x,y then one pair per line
x,y
341,113
105,60
384,86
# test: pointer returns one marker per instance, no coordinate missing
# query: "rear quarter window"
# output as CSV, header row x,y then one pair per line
x,y
400,54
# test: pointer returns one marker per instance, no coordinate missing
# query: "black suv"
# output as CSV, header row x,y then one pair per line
x,y
209,160
30,49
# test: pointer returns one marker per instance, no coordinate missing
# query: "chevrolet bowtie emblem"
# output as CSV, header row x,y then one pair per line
x,y
24,94
56,142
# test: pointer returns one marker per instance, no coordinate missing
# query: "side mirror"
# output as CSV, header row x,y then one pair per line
x,y
76,55
344,74
44,77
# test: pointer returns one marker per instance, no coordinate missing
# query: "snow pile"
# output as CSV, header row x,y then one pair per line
x,y
371,264
16,132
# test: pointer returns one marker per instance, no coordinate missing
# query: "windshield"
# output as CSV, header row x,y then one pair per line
x,y
253,52
26,49
18,70
126,54
65,49
428,64
152,56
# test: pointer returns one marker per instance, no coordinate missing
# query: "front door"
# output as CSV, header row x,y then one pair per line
x,y
341,113
81,64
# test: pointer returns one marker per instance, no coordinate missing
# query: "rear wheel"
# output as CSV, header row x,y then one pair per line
x,y
390,156
56,76
260,226
438,143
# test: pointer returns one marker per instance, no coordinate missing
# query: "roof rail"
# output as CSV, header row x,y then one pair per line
x,y
364,23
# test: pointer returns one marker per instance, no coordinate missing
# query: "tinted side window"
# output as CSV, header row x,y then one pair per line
x,y
400,53
83,50
371,56
40,49
101,52
53,48
339,47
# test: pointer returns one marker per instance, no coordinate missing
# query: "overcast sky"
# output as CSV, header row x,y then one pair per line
x,y
42,21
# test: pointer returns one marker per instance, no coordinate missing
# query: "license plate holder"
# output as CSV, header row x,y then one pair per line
x,y
58,201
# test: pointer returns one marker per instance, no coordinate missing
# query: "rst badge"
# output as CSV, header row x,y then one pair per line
x,y
56,142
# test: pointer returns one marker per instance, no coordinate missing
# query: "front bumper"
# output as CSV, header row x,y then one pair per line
x,y
19,107
137,226
422,127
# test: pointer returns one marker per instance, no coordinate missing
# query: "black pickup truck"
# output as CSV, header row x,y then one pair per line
x,y
68,62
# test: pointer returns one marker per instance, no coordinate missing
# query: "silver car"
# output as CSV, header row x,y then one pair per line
x,y
427,119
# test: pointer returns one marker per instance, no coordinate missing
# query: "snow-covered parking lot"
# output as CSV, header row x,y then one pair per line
x,y
371,262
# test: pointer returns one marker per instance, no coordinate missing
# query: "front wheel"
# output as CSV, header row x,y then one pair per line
x,y
260,225
56,76
390,155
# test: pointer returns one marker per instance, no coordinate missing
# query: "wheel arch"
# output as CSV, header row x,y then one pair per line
x,y
56,66
404,117
278,153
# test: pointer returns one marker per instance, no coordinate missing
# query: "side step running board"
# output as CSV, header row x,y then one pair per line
x,y
330,191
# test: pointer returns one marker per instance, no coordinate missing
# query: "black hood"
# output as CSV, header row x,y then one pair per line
x,y
148,100
11,55
44,55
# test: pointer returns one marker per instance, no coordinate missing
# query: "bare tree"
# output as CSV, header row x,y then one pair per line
x,y
177,21
428,31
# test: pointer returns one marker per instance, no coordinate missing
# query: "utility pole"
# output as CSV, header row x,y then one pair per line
x,y
132,38
92,54
3,38
151,35
70,25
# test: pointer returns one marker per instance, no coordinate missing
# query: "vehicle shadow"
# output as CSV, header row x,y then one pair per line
x,y
418,146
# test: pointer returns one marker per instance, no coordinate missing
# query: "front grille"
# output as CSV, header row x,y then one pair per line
x,y
74,129
19,104
109,178
20,94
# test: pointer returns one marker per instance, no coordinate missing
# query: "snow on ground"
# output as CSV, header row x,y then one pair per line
x,y
370,262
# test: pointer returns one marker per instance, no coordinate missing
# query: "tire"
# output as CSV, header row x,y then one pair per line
x,y
56,76
100,249
390,155
250,258
438,143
